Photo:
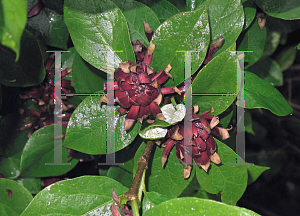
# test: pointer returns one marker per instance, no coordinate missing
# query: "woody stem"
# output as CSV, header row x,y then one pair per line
x,y
132,193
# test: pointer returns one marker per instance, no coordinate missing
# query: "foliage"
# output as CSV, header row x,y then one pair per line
x,y
259,35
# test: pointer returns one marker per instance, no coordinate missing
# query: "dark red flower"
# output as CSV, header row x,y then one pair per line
x,y
201,145
137,88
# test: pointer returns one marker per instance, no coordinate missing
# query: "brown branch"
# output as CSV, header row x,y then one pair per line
x,y
132,193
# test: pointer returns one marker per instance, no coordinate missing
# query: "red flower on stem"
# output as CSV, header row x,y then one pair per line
x,y
202,146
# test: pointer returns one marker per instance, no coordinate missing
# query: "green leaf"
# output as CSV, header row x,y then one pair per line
x,y
250,12
182,32
248,122
298,46
121,175
12,140
157,129
10,166
38,151
217,77
269,70
33,185
193,4
272,42
166,180
195,206
283,9
133,10
88,195
67,58
29,70
226,18
20,198
230,180
286,57
152,199
48,26
86,130
261,94
12,23
254,172
86,78
96,29
253,40
162,8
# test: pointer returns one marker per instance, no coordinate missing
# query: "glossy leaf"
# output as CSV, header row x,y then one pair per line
x,y
283,9
162,8
67,58
217,77
253,40
18,200
269,70
87,195
97,28
226,18
48,26
12,24
230,180
254,172
86,78
135,13
166,180
33,185
86,130
182,32
157,129
261,94
250,12
29,70
286,57
195,206
193,4
152,199
38,151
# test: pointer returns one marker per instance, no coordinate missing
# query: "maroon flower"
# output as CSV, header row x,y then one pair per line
x,y
137,88
201,145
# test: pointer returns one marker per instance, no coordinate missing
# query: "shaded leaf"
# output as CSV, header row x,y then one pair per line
x,y
253,40
29,70
286,57
283,9
182,32
88,195
38,151
135,13
33,185
248,122
86,78
195,206
49,26
20,197
10,166
12,24
162,8
254,172
261,94
97,28
269,70
272,42
86,130
121,175
230,180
